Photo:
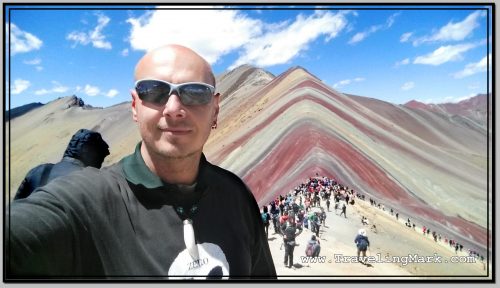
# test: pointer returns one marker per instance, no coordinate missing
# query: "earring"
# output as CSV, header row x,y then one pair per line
x,y
214,126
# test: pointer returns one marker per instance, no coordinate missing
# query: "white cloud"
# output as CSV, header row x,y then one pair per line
x,y
391,19
220,32
56,88
360,36
405,37
454,31
124,52
96,91
42,91
347,82
473,68
405,61
21,41
408,86
94,36
444,54
35,61
213,34
19,86
91,90
281,45
112,93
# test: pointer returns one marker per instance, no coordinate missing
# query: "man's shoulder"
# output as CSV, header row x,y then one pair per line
x,y
224,177
38,170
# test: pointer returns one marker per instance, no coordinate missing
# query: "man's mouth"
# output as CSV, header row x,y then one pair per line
x,y
176,131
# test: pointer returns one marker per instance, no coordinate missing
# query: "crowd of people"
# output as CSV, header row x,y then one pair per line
x,y
302,207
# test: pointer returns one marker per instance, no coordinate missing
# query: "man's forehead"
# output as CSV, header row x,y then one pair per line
x,y
173,62
163,56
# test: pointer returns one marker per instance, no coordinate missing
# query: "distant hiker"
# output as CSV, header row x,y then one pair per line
x,y
397,216
300,217
86,148
295,208
313,247
266,219
314,222
282,207
305,223
275,212
283,219
364,220
362,243
307,203
290,232
322,217
343,211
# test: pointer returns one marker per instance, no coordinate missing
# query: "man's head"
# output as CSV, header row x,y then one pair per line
x,y
87,146
174,128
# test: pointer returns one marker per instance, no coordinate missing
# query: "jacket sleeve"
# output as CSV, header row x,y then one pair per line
x,y
29,183
39,239
35,178
24,189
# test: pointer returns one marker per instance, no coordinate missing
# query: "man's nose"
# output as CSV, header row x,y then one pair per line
x,y
173,107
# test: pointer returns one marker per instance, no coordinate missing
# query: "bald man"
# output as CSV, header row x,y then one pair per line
x,y
163,212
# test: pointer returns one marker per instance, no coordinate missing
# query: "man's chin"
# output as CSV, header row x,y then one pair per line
x,y
175,154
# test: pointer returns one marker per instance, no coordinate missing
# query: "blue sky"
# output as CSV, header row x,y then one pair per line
x,y
432,54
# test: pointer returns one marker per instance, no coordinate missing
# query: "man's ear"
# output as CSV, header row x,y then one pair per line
x,y
135,98
216,104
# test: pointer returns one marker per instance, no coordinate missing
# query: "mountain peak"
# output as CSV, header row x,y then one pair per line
x,y
474,107
243,75
416,105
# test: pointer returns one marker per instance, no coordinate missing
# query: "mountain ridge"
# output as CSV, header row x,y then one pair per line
x,y
275,130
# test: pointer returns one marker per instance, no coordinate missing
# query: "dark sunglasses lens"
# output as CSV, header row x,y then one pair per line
x,y
195,94
153,91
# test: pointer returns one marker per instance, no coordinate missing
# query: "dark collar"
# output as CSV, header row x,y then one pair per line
x,y
138,173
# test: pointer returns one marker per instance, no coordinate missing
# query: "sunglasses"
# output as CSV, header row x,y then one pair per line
x,y
158,91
